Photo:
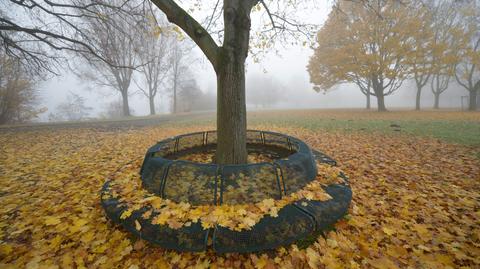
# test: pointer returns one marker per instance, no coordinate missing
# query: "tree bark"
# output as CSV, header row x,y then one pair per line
x,y
378,90
436,104
472,104
231,105
125,106
381,103
417,99
175,95
152,105
368,100
229,64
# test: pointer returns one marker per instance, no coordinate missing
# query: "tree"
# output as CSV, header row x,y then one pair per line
x,y
467,71
114,110
154,52
188,95
263,90
73,109
180,71
363,43
446,37
115,39
18,96
205,102
35,32
228,59
419,57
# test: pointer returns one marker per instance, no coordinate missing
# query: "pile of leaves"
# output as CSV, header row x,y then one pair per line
x,y
208,157
415,205
127,187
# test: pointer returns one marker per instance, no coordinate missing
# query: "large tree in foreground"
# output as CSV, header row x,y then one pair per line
x,y
228,59
366,43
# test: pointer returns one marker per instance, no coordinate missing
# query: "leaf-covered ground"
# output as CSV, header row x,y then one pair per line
x,y
416,203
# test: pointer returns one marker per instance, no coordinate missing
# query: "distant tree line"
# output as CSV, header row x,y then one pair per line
x,y
379,44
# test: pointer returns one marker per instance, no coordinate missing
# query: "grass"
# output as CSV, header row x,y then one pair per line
x,y
450,126
461,132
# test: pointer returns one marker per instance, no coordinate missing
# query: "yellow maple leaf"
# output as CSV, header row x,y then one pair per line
x,y
5,249
127,213
388,231
49,220
77,225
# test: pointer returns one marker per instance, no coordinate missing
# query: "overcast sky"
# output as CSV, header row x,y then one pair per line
x,y
288,69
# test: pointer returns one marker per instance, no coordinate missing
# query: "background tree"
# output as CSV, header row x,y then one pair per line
x,y
36,32
153,51
419,57
447,35
228,59
114,110
73,109
205,102
18,96
332,61
364,43
115,39
188,95
467,71
263,90
180,73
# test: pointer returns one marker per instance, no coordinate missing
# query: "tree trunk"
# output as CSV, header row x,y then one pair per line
x,y
125,106
174,95
378,90
231,105
381,103
472,104
152,105
417,99
436,104
231,115
368,100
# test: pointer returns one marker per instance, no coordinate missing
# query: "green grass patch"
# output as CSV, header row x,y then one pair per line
x,y
461,132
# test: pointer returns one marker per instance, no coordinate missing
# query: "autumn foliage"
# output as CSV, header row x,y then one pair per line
x,y
378,45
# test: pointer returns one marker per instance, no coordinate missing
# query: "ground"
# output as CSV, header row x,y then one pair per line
x,y
415,178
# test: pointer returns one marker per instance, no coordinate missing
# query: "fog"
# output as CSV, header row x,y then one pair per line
x,y
286,70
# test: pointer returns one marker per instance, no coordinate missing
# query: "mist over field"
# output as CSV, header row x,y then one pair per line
x,y
278,81
293,89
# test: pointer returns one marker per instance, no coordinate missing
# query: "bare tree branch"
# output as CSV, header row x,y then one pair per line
x,y
194,30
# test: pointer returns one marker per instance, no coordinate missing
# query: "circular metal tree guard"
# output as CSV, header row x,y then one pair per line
x,y
292,167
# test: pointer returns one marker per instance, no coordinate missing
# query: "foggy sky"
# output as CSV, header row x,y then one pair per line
x,y
289,70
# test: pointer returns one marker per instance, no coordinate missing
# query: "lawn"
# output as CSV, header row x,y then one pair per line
x,y
415,178
455,127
